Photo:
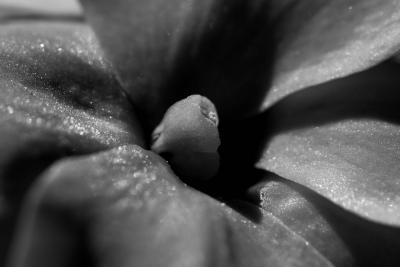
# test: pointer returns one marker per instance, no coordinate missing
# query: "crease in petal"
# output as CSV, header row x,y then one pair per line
x,y
58,97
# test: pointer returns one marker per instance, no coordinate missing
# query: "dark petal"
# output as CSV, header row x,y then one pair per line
x,y
342,139
135,211
166,50
229,51
57,98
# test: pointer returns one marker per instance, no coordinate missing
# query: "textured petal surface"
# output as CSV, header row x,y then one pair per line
x,y
342,139
54,78
137,212
57,97
321,40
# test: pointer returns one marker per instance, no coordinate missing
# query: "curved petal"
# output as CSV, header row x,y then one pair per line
x,y
229,50
342,237
136,212
165,51
301,215
57,98
56,86
322,40
59,7
342,139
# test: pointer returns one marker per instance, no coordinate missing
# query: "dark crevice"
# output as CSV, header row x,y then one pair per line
x,y
371,94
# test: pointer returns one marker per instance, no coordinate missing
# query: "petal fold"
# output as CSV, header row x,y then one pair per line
x,y
58,97
341,139
136,212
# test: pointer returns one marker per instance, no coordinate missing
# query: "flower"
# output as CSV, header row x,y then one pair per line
x,y
302,93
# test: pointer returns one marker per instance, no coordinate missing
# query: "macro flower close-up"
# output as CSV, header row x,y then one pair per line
x,y
199,133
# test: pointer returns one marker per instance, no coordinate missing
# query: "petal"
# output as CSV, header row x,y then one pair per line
x,y
165,51
54,78
322,40
230,50
281,199
57,97
342,139
56,7
136,212
342,237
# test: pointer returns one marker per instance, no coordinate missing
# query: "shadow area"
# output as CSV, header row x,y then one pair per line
x,y
372,94
228,58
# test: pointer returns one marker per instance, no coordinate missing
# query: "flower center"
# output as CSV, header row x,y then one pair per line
x,y
188,138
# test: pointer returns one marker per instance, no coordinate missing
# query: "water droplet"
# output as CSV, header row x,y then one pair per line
x,y
10,110
39,121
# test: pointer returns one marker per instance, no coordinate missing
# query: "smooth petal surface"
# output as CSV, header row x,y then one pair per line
x,y
136,211
57,97
282,200
52,6
165,51
342,237
322,40
242,55
12,10
341,139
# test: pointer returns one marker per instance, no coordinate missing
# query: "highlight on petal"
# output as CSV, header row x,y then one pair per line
x,y
166,50
134,210
57,98
54,78
51,6
341,139
319,41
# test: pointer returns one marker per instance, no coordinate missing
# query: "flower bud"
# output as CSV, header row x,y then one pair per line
x,y
188,137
